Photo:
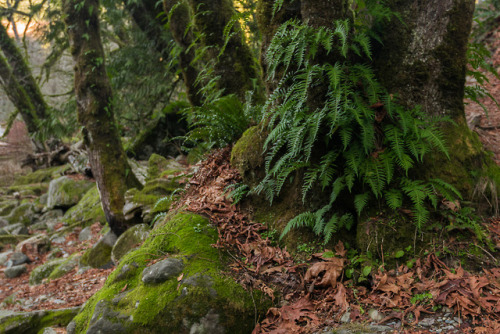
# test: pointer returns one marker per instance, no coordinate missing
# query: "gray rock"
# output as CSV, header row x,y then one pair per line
x,y
162,271
4,257
17,258
375,315
71,328
23,214
208,324
20,230
427,322
346,318
85,234
56,239
43,199
65,192
126,271
380,329
49,330
43,271
15,271
99,256
3,222
34,322
129,240
39,243
105,320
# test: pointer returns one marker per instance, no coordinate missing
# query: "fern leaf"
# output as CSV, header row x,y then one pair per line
x,y
360,202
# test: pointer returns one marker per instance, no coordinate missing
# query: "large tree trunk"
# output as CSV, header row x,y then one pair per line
x,y
423,61
95,111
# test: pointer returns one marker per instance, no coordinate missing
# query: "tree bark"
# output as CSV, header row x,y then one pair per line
x,y
422,60
236,67
22,73
95,111
180,18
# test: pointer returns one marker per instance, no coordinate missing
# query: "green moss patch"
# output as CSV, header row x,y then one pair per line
x,y
176,306
87,211
36,321
42,175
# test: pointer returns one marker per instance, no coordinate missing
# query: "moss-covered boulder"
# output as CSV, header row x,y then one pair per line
x,y
34,322
247,155
7,206
64,192
43,271
99,256
65,267
87,211
140,204
42,175
29,190
198,298
23,214
129,240
158,164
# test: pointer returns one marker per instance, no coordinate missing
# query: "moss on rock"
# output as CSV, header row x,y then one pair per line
x,y
247,154
87,211
130,239
172,306
34,322
42,175
23,214
35,189
65,192
65,267
43,271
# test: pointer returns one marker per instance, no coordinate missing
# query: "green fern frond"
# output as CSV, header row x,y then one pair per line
x,y
360,202
304,219
394,198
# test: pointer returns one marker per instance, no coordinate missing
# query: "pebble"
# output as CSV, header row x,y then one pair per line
x,y
346,318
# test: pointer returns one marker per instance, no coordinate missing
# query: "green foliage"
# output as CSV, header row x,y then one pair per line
x,y
486,18
330,121
478,55
220,122
238,192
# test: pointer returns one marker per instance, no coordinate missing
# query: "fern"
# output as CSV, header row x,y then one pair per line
x,y
369,143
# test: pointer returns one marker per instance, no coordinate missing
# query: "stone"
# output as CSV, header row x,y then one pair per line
x,y
43,271
23,214
65,267
164,307
105,320
18,258
49,330
375,315
35,321
38,244
162,271
88,209
65,192
4,257
20,230
85,234
346,318
427,322
6,207
15,271
99,256
130,239
3,222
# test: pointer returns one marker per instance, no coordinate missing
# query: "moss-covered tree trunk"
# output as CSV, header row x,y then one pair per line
x,y
236,67
95,111
179,23
20,86
423,61
22,73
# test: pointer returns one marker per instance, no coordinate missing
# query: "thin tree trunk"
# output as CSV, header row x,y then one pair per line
x,y
180,18
22,73
236,67
95,111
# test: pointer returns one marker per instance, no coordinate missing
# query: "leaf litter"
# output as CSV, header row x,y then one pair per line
x,y
317,294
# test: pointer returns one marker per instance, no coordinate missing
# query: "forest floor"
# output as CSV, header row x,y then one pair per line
x,y
430,297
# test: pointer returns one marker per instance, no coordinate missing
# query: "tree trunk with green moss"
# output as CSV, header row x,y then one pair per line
x,y
179,23
95,111
422,60
236,67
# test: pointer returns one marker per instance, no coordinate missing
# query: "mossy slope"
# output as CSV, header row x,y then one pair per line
x,y
202,295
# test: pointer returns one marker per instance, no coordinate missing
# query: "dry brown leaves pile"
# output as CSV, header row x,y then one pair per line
x,y
318,293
